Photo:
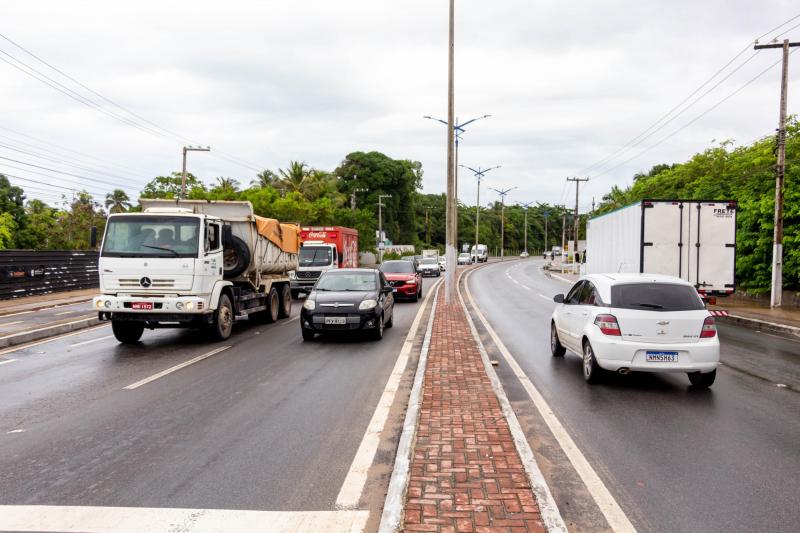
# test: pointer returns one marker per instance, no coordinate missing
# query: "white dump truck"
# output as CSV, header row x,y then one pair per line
x,y
194,263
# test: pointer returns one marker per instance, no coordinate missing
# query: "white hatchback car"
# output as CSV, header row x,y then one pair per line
x,y
636,322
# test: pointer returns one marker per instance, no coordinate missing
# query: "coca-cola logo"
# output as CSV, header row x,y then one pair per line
x,y
317,234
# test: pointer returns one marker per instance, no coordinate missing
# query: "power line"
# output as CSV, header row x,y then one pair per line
x,y
698,117
628,145
61,178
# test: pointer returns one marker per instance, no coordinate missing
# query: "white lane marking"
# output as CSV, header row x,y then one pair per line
x,y
175,368
51,339
613,513
90,341
12,323
15,431
17,314
8,361
398,483
353,486
65,313
545,297
548,509
137,519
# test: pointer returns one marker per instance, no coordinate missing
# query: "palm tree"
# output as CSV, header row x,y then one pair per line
x,y
118,201
294,178
265,178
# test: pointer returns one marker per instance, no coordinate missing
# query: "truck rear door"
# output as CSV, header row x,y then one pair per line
x,y
714,230
662,238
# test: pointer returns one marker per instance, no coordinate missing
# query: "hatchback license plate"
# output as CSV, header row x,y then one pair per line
x,y
142,306
662,357
335,320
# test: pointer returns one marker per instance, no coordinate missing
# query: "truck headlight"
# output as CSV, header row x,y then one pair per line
x,y
292,275
98,304
189,306
367,304
309,305
107,304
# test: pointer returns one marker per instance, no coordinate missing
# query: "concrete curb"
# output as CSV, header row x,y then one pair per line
x,y
762,325
392,516
24,337
37,307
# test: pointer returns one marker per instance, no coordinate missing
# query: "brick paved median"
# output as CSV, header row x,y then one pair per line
x,y
466,474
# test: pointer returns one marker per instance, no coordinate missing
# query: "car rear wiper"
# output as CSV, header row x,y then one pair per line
x,y
160,248
654,306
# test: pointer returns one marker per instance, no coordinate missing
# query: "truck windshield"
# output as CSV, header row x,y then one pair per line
x,y
311,256
151,236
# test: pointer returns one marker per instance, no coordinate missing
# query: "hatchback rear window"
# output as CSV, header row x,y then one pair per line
x,y
656,297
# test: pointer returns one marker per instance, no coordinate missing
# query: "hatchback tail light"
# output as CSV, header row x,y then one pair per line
x,y
608,325
709,328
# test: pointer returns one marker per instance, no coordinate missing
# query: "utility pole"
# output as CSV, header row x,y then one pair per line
x,y
776,294
427,226
502,193
451,213
353,197
183,173
577,218
563,232
381,241
546,213
526,205
479,173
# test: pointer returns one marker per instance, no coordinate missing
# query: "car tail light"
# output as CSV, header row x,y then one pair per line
x,y
709,328
608,325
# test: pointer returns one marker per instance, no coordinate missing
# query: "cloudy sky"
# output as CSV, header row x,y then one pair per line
x,y
567,84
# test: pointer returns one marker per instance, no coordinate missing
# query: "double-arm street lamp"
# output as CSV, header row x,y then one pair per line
x,y
502,193
479,173
458,130
526,205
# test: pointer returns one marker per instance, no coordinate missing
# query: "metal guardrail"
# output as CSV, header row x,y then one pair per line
x,y
32,272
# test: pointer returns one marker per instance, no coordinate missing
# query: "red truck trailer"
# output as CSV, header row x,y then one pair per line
x,y
323,248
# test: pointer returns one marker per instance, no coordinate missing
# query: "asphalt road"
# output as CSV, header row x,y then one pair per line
x,y
674,458
271,423
16,322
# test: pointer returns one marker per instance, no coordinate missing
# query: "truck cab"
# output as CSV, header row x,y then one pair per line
x,y
323,249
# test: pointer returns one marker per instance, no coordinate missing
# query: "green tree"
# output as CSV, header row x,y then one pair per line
x,y
8,228
118,201
170,186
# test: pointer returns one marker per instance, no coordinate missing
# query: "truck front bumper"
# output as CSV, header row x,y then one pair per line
x,y
151,305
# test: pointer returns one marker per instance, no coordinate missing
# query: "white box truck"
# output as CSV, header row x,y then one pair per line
x,y
194,263
691,239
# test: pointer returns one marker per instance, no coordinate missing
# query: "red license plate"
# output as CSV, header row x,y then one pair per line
x,y
144,306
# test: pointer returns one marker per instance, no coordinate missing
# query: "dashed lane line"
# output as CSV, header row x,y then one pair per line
x,y
353,486
613,513
90,341
170,370
8,361
21,347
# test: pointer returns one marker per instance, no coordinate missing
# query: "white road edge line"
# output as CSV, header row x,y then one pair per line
x,y
90,341
17,314
613,513
8,361
353,486
137,519
393,505
65,313
21,347
175,368
548,509
12,323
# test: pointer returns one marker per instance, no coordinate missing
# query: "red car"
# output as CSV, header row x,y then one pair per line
x,y
404,279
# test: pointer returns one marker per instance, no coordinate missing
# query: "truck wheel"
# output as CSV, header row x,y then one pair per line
x,y
270,314
286,302
223,319
236,257
127,332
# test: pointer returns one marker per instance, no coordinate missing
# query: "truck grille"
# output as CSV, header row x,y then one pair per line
x,y
156,283
308,274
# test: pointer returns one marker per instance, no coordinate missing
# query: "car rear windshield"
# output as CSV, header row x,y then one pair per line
x,y
656,297
397,267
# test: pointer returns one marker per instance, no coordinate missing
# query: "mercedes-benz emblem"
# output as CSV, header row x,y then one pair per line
x,y
145,282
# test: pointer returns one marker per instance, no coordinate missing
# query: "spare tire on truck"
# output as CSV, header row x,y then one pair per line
x,y
236,257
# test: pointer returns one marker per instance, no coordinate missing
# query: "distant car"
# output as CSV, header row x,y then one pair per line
x,y
464,259
442,263
429,267
406,282
412,259
348,300
636,322
524,255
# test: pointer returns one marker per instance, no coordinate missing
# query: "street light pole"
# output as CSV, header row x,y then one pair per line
x,y
526,205
381,240
183,172
479,173
353,198
502,193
